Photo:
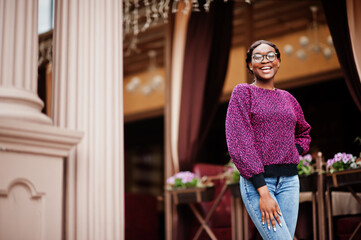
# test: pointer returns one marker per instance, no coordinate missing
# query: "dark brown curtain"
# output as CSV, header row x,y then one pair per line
x,y
208,45
336,15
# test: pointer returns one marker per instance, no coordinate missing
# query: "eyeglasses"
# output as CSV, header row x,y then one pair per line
x,y
271,56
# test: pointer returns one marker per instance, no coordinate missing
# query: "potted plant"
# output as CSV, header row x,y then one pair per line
x,y
183,180
342,161
186,187
307,176
304,167
343,169
232,174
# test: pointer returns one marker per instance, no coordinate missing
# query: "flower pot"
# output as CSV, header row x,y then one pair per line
x,y
192,195
343,178
308,183
235,190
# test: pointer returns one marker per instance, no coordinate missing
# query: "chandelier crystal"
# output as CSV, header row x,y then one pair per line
x,y
138,16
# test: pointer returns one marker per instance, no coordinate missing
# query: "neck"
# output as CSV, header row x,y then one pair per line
x,y
265,85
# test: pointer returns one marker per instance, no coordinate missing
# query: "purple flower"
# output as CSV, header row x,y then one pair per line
x,y
308,157
338,157
171,180
330,162
341,161
306,163
185,176
183,180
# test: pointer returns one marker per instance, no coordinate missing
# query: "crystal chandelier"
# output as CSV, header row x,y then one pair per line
x,y
138,16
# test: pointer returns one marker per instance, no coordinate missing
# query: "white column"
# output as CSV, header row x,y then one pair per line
x,y
88,96
172,116
18,61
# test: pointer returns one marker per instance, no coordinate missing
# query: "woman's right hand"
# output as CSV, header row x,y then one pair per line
x,y
269,208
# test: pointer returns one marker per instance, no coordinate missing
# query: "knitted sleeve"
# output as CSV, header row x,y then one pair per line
x,y
240,137
302,130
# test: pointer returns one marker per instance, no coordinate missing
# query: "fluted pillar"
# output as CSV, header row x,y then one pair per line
x,y
88,97
18,61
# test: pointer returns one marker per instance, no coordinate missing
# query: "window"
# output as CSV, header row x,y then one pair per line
x,y
45,16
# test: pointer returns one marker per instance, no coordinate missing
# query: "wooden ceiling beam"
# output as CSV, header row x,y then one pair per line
x,y
280,30
240,30
153,29
143,57
137,68
260,6
141,65
238,40
280,10
284,20
146,36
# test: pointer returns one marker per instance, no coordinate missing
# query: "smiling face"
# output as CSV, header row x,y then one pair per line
x,y
265,70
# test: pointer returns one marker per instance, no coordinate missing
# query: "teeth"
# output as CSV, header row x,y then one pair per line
x,y
264,68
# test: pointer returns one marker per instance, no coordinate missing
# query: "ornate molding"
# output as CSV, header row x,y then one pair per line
x,y
22,136
24,182
25,209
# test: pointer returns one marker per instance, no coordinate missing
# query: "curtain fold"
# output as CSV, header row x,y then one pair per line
x,y
208,45
179,41
337,19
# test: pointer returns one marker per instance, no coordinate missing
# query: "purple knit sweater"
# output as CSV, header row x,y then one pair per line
x,y
266,131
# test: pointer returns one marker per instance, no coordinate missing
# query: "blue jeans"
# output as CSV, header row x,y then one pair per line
x,y
285,191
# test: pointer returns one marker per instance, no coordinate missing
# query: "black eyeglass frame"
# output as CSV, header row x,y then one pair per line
x,y
265,55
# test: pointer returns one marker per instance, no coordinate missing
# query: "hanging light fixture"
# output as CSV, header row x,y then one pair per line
x,y
311,43
153,82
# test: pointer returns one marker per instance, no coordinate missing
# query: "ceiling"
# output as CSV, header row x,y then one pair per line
x,y
263,19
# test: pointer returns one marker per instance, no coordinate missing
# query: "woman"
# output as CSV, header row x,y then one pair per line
x,y
266,131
